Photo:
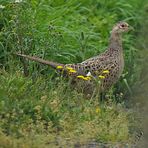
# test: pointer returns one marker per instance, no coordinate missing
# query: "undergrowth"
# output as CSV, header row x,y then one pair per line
x,y
39,108
43,107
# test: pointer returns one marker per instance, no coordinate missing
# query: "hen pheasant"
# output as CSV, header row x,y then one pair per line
x,y
111,60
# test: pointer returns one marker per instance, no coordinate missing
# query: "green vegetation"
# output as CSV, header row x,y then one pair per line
x,y
42,110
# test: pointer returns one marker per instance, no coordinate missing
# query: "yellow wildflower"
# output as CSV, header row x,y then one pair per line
x,y
87,78
83,77
69,68
101,77
59,67
72,71
80,76
105,71
98,110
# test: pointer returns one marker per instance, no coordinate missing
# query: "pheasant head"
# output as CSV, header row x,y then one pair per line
x,y
121,27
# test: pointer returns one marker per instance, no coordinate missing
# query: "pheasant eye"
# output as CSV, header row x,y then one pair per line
x,y
122,25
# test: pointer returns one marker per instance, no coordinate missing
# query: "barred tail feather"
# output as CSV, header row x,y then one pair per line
x,y
50,63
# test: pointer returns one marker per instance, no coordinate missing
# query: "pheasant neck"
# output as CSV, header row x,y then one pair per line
x,y
115,43
115,49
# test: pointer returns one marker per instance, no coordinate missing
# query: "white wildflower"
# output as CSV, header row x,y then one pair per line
x,y
88,74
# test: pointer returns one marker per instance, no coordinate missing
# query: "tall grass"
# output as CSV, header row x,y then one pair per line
x,y
66,31
30,108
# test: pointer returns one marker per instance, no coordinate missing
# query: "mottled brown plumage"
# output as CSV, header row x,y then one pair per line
x,y
111,60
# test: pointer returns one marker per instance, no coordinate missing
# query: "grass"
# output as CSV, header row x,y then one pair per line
x,y
39,108
42,110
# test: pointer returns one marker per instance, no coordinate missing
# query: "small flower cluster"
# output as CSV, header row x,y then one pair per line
x,y
59,67
98,110
104,72
69,69
84,77
87,77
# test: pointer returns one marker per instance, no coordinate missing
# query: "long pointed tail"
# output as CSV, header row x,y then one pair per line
x,y
50,63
